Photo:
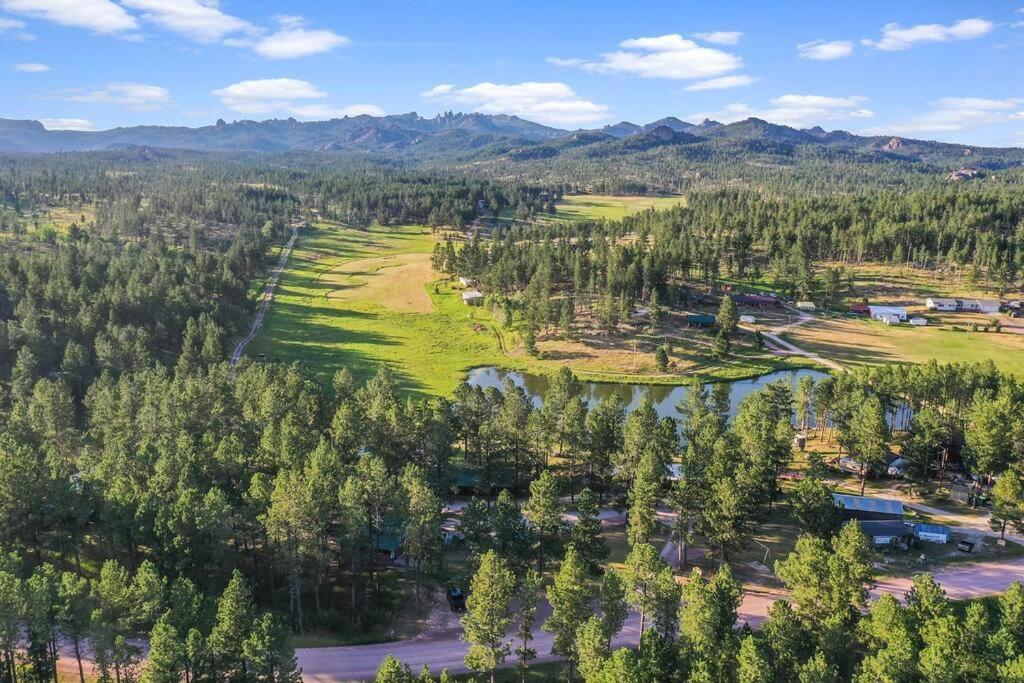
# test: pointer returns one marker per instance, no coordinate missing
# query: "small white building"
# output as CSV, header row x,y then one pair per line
x,y
935,533
806,306
919,321
940,304
889,314
467,281
472,297
748,319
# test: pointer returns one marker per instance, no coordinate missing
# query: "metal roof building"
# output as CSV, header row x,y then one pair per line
x,y
864,507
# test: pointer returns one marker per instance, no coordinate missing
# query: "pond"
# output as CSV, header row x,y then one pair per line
x,y
665,398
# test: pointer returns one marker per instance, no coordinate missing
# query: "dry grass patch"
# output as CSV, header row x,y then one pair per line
x,y
396,282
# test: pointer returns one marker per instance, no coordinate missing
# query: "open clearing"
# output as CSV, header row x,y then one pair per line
x,y
397,282
869,342
359,298
593,206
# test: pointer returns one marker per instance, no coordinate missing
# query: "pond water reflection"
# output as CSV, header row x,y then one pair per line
x,y
665,398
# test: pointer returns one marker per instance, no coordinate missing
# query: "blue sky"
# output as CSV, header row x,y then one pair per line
x,y
941,70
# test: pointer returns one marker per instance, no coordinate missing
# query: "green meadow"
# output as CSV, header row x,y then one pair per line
x,y
344,301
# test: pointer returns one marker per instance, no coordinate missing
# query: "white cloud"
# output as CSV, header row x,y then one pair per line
x,y
896,37
294,42
799,111
950,114
7,24
100,16
135,95
286,95
67,124
720,83
438,90
560,61
669,56
267,94
825,50
720,37
201,21
551,103
31,67
323,111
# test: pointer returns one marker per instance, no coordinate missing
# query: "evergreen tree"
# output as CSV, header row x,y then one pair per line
x,y
569,596
586,533
488,614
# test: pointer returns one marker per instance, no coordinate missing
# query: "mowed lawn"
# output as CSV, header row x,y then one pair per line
x,y
595,206
361,298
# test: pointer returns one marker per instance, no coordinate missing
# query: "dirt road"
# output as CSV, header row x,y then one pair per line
x,y
266,298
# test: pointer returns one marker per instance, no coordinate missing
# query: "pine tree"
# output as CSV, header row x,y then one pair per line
x,y
233,622
269,652
529,595
544,511
752,666
489,614
165,661
643,497
586,533
592,649
569,595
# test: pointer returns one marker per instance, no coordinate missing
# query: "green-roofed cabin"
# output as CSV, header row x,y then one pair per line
x,y
700,320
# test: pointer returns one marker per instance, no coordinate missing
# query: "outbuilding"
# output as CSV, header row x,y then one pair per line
x,y
868,507
889,314
941,304
886,533
472,297
918,321
748,319
860,308
467,281
806,306
700,320
934,533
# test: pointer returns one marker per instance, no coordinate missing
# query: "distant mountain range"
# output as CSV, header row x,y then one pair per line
x,y
461,138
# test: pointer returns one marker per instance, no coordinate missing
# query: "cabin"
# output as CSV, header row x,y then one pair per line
x,y
933,533
806,306
918,321
472,297
889,314
467,281
868,508
700,320
887,533
860,308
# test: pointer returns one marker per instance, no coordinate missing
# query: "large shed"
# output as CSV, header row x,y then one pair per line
x,y
868,508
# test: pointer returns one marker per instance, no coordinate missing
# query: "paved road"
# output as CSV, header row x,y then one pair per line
x,y
266,298
445,649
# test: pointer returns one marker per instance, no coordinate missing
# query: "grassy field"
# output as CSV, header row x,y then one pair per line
x,y
359,298
592,206
869,342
